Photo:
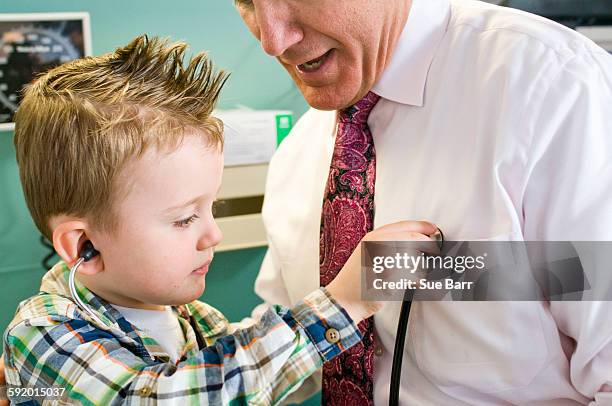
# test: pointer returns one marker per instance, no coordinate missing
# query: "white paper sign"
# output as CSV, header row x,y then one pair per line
x,y
251,136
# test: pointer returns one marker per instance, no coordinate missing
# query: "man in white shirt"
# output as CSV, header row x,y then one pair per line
x,y
493,124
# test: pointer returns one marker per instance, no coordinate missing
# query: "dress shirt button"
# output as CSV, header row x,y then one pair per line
x,y
378,351
332,335
145,391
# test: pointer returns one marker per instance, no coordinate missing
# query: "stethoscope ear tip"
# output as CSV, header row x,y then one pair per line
x,y
88,251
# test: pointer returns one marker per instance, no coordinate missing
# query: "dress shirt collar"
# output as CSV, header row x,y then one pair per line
x,y
404,78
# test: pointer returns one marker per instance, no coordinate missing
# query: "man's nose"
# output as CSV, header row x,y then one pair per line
x,y
278,29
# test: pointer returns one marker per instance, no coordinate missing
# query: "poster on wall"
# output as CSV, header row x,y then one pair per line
x,y
34,43
252,136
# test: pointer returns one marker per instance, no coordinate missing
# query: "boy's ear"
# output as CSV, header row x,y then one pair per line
x,y
69,236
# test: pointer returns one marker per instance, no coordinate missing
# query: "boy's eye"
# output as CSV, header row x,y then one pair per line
x,y
186,222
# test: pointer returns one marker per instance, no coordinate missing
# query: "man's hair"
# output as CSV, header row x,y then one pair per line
x,y
80,123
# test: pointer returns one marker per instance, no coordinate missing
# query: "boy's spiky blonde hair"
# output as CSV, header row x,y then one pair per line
x,y
79,124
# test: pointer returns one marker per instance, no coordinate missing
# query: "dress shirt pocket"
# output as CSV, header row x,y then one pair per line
x,y
485,347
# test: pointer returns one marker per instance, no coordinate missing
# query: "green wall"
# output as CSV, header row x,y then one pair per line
x,y
257,81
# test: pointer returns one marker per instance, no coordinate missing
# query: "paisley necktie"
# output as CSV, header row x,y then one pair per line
x,y
348,214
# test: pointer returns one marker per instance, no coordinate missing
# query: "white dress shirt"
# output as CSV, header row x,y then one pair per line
x,y
495,125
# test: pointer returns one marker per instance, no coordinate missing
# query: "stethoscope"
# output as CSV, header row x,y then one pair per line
x,y
400,336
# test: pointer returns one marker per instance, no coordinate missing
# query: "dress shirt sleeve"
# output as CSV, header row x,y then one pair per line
x,y
569,198
259,365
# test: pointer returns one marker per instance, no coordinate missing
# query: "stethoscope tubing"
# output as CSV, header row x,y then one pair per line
x,y
75,294
400,337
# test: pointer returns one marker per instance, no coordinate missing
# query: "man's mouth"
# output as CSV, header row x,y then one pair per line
x,y
314,64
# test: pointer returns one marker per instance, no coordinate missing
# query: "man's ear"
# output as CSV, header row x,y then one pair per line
x,y
69,236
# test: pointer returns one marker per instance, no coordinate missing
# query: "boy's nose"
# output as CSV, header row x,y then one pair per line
x,y
211,237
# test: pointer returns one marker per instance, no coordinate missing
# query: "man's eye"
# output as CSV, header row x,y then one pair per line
x,y
186,222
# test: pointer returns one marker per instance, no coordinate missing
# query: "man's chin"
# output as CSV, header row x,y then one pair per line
x,y
327,98
325,102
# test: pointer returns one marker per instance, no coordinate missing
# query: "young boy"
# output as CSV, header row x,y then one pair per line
x,y
121,150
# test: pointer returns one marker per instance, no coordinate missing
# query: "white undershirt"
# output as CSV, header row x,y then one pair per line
x,y
161,325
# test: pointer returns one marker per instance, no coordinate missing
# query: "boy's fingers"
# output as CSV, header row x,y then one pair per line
x,y
398,236
418,242
403,236
422,227
415,246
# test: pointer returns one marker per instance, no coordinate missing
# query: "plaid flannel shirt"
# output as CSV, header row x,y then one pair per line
x,y
52,343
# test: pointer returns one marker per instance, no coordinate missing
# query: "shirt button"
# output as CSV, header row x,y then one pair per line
x,y
378,351
145,391
332,335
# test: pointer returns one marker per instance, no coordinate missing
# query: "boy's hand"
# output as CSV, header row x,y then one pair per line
x,y
346,287
3,398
